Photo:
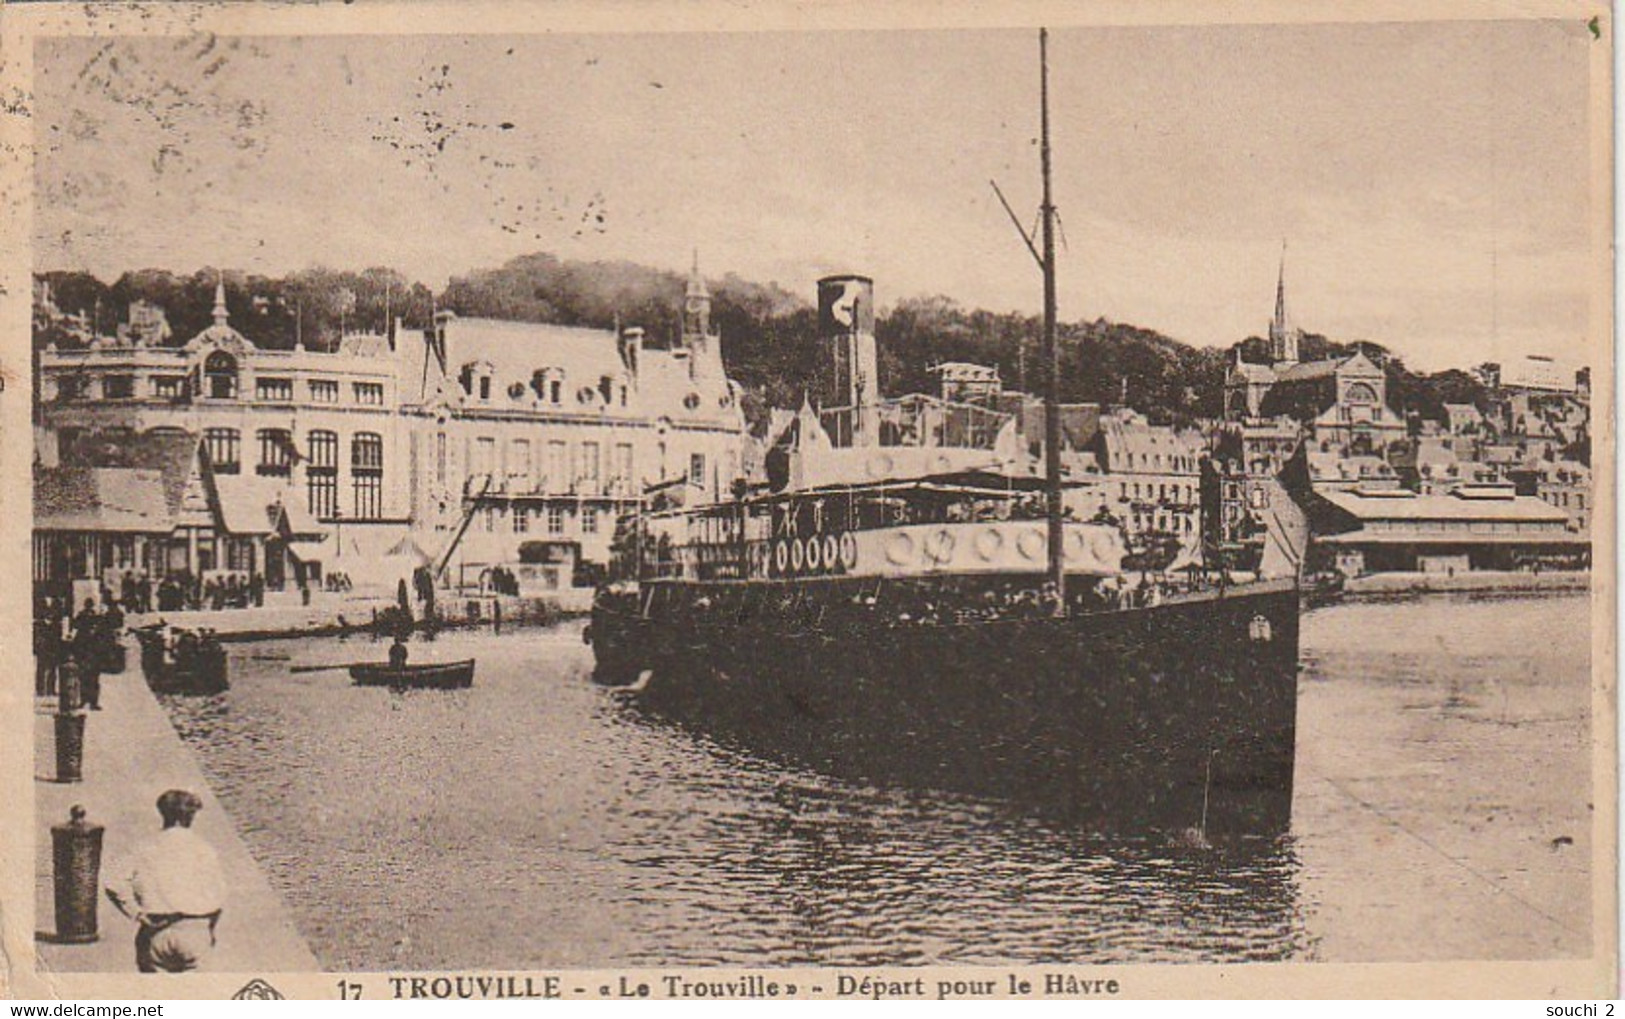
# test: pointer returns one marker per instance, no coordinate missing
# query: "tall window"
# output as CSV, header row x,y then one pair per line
x,y
322,475
220,375
558,469
589,520
555,519
485,454
519,461
370,394
276,453
367,475
589,466
222,446
440,457
521,519
623,463
696,468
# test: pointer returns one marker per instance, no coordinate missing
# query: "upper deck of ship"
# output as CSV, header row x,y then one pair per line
x,y
945,488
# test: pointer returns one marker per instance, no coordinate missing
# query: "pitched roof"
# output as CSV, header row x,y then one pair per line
x,y
124,499
171,453
1407,506
250,504
516,351
1305,371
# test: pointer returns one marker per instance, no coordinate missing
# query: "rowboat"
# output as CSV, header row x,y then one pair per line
x,y
429,676
189,665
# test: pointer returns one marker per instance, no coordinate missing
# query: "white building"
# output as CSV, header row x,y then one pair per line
x,y
525,442
318,427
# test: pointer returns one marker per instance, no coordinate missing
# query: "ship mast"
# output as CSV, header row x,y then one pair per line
x,y
1051,372
1052,396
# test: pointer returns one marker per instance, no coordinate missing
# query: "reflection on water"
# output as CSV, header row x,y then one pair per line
x,y
537,820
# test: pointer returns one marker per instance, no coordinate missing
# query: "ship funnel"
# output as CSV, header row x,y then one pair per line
x,y
848,382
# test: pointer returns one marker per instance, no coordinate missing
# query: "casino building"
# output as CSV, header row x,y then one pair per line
x,y
476,442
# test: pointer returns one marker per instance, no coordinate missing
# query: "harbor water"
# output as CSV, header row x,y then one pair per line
x,y
1442,810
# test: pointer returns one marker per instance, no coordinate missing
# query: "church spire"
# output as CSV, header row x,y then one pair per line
x,y
1283,338
696,303
221,316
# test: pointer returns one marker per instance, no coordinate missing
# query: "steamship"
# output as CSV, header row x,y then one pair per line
x,y
906,600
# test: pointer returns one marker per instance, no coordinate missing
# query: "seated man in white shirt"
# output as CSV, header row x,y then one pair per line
x,y
174,889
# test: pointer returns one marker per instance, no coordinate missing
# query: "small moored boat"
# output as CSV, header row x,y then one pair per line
x,y
432,676
181,662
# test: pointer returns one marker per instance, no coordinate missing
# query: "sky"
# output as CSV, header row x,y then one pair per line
x,y
1429,181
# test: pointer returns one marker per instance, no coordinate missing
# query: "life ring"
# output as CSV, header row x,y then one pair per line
x,y
988,543
900,549
849,551
1103,546
832,553
1076,544
939,547
814,553
781,555
796,555
1031,543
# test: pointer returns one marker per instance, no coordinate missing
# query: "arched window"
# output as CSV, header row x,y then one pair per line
x,y
1361,392
222,445
322,474
367,474
276,452
220,375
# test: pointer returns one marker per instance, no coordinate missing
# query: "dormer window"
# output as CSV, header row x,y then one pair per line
x,y
692,401
516,391
585,395
548,384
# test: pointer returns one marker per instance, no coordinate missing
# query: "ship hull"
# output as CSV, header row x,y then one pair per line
x,y
1178,716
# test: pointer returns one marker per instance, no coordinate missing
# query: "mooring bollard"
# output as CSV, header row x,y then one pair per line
x,y
70,746
70,693
70,726
76,849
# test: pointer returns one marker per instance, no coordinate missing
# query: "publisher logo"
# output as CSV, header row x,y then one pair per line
x,y
257,990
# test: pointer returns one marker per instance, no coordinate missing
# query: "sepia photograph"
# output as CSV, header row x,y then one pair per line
x,y
865,504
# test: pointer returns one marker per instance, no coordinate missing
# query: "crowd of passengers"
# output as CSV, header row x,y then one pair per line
x,y
894,603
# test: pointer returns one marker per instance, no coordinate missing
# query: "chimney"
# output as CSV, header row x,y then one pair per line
x,y
631,343
849,377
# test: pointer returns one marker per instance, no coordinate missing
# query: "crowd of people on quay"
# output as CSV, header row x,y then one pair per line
x,y
87,641
138,592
